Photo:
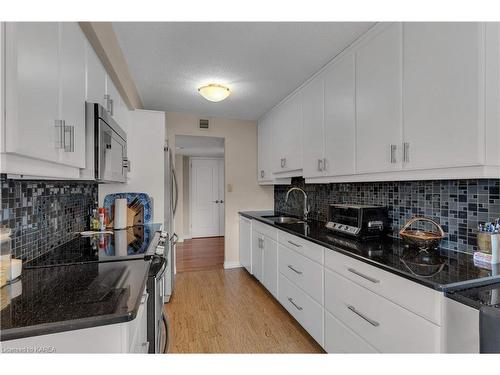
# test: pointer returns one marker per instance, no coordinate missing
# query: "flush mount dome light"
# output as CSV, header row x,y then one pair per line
x,y
214,92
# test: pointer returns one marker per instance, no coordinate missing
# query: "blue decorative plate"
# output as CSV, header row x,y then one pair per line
x,y
133,200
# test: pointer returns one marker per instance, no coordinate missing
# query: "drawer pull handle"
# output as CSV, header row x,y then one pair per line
x,y
371,321
352,270
294,244
293,303
294,270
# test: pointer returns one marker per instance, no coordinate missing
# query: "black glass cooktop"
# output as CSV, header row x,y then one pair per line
x,y
132,243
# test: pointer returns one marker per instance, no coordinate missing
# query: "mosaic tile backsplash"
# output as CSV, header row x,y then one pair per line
x,y
458,205
44,214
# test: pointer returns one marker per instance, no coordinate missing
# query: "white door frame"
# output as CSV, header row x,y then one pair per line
x,y
191,158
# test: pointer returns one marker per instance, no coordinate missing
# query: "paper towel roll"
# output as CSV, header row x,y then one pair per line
x,y
120,215
121,242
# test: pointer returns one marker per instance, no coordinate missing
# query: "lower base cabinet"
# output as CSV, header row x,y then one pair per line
x,y
386,326
346,313
128,337
302,307
340,339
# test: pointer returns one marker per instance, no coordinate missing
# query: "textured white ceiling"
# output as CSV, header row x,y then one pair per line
x,y
260,62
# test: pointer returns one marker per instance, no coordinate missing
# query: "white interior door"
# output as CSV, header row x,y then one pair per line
x,y
207,198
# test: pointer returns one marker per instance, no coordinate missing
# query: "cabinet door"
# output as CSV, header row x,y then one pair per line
x,y
312,97
270,265
96,78
378,101
72,78
340,132
32,90
287,136
444,94
264,149
246,243
257,255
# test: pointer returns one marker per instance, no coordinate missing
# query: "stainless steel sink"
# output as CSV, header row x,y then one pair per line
x,y
284,219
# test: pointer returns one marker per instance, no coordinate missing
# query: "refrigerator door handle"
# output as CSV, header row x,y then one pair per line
x,y
176,201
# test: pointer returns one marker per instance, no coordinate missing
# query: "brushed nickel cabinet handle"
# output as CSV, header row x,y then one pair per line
x,y
352,270
262,173
59,125
293,303
406,152
294,244
294,270
325,165
362,316
393,154
320,165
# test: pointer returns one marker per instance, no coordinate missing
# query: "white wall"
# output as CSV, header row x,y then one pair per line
x,y
145,142
240,144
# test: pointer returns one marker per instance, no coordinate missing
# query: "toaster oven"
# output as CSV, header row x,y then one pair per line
x,y
357,220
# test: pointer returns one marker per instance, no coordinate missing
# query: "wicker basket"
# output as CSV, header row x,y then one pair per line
x,y
422,239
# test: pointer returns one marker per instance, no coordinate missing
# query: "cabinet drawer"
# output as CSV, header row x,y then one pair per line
x,y
340,339
419,299
305,273
386,326
302,307
302,246
265,229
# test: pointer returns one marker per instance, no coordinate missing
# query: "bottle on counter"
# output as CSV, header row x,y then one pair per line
x,y
102,218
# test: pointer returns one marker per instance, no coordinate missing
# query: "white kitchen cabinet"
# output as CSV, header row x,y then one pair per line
x,y
257,255
32,90
312,97
287,137
73,75
96,78
378,101
444,94
302,307
45,92
270,265
386,326
246,243
128,337
340,118
265,149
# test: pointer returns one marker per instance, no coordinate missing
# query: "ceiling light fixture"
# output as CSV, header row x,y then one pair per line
x,y
214,92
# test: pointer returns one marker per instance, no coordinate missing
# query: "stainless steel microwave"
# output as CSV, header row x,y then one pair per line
x,y
106,147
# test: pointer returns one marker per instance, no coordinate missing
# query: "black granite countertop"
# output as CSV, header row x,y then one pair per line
x,y
56,299
440,269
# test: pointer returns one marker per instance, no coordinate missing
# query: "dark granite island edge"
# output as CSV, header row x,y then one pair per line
x,y
392,244
139,276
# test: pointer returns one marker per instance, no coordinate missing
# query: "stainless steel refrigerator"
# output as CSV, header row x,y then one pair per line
x,y
171,199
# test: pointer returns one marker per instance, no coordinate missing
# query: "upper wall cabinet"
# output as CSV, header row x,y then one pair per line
x,y
378,101
444,88
313,101
264,150
286,133
340,118
45,92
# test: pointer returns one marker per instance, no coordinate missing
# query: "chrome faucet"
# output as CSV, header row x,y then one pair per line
x,y
306,205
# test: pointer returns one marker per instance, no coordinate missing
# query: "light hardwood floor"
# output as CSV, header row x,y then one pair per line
x,y
228,311
200,254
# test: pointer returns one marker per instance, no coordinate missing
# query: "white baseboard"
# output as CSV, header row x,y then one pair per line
x,y
228,265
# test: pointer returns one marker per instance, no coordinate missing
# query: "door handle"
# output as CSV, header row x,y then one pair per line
x,y
216,201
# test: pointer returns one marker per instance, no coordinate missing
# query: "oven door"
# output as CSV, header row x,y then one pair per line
x,y
112,154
